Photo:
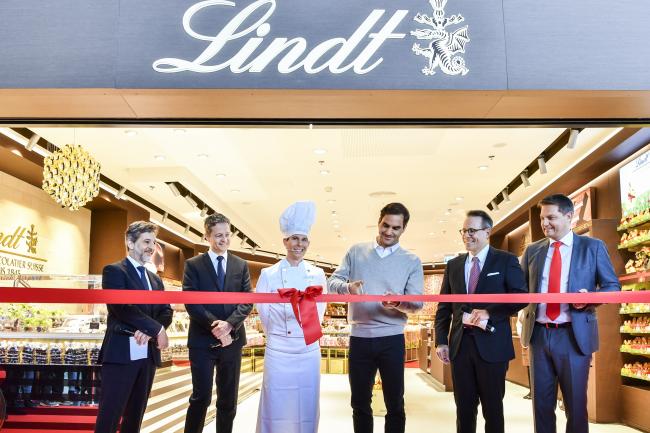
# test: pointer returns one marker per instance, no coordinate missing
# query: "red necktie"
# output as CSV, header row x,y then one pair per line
x,y
554,276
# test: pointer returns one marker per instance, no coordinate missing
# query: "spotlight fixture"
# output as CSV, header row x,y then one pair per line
x,y
164,218
120,194
505,195
254,250
174,189
573,139
243,242
235,233
191,201
494,204
277,256
187,229
524,179
542,164
33,140
204,211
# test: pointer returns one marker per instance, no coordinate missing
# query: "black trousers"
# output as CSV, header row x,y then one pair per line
x,y
367,355
476,380
124,394
203,362
555,360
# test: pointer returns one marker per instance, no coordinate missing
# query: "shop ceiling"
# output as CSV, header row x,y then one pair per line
x,y
252,174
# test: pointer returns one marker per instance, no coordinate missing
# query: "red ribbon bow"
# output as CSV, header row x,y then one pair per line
x,y
304,308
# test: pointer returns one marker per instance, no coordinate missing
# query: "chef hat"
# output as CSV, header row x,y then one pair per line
x,y
298,218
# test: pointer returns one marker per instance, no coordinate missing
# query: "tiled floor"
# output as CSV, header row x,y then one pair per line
x,y
426,409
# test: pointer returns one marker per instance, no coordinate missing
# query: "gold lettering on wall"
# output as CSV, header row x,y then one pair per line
x,y
18,251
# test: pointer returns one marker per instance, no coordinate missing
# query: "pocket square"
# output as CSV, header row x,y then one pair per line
x,y
491,274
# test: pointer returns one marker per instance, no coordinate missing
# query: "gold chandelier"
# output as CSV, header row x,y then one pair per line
x,y
71,176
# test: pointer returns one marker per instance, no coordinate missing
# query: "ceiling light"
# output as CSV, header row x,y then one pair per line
x,y
335,222
16,152
331,201
179,131
191,201
120,194
311,126
320,151
524,179
431,233
542,164
336,226
324,172
33,141
573,139
494,205
254,250
131,132
243,242
442,221
187,229
277,256
235,233
164,217
505,195
333,213
482,167
448,212
234,191
159,157
459,198
220,175
202,156
174,189
204,212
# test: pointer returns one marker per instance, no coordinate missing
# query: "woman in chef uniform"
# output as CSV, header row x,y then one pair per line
x,y
289,401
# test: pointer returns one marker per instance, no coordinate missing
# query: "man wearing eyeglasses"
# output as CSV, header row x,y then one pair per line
x,y
216,335
479,346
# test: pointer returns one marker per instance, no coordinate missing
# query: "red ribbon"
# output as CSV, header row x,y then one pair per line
x,y
304,308
48,295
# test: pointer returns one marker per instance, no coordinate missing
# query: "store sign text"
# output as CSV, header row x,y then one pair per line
x,y
13,246
292,54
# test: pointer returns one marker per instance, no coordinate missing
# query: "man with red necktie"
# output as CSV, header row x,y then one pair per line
x,y
479,357
563,337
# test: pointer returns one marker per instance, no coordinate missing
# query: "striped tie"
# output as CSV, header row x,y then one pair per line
x,y
473,276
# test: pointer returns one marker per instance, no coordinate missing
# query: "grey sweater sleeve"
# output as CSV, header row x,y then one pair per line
x,y
414,286
338,282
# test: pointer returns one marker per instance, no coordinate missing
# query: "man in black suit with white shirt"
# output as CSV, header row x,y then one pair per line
x,y
217,333
479,358
134,336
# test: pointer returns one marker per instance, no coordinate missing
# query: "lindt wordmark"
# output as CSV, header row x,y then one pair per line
x,y
19,243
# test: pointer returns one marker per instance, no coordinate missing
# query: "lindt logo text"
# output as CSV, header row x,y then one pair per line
x,y
290,54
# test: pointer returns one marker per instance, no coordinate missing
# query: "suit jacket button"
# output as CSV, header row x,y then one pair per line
x,y
289,332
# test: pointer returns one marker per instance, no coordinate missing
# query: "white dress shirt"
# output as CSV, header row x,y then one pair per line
x,y
385,252
481,255
215,262
565,252
136,265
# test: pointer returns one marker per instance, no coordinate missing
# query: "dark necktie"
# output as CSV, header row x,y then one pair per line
x,y
221,274
554,277
473,276
143,277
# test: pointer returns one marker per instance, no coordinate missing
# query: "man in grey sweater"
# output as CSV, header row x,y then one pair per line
x,y
377,340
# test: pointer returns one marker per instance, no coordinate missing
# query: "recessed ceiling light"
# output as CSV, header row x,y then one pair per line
x,y
320,151
220,175
331,201
131,132
234,191
324,172
159,157
202,156
459,198
442,221
336,226
179,131
333,213
335,222
483,167
497,145
431,233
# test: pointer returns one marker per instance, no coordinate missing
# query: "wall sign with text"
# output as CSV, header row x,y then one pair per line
x,y
18,251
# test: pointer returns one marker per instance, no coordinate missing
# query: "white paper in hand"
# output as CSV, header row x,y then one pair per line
x,y
137,351
482,324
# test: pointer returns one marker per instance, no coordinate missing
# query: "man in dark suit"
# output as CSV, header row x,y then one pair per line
x,y
134,336
479,358
216,334
563,336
